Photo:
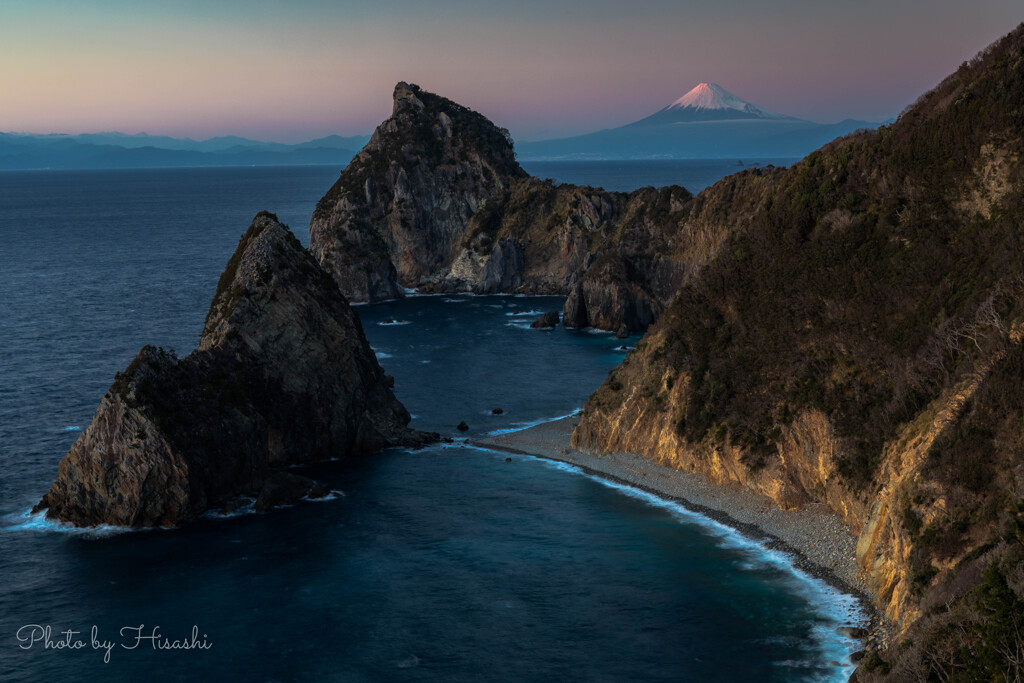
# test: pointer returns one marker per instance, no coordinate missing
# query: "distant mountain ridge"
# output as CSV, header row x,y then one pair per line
x,y
26,151
707,122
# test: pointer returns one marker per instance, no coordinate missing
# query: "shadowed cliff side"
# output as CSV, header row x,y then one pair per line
x,y
404,201
282,375
437,202
857,341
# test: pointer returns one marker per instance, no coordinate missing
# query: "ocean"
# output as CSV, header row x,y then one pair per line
x,y
444,564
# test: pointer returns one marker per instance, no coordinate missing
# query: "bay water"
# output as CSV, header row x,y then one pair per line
x,y
444,564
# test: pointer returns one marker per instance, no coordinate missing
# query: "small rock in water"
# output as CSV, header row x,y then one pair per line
x,y
462,426
318,491
497,411
284,488
622,332
546,321
235,505
508,459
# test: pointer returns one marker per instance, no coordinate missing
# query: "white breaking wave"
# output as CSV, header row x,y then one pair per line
x,y
838,608
520,426
27,521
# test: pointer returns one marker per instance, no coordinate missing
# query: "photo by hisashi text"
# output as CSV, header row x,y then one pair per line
x,y
130,638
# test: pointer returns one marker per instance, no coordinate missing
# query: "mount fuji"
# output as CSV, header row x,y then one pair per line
x,y
710,102
707,122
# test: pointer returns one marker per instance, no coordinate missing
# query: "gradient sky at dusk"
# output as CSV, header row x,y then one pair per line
x,y
291,71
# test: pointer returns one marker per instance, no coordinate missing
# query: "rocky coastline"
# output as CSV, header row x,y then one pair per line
x,y
822,545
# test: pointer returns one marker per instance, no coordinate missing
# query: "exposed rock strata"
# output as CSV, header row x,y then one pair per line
x,y
402,206
282,375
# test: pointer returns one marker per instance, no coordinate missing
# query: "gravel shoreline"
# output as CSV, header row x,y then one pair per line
x,y
821,544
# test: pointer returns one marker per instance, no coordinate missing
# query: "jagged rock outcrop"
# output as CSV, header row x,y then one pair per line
x,y
437,202
608,299
282,375
503,270
546,321
402,205
856,340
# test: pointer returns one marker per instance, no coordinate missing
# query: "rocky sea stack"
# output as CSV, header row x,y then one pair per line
x,y
282,375
436,201
401,207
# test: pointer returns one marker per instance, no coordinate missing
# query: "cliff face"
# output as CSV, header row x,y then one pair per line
x,y
437,202
855,339
282,375
402,205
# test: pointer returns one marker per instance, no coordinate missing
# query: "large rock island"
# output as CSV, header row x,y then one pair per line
x,y
436,201
282,375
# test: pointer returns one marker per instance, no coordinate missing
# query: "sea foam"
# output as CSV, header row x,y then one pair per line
x,y
37,522
832,605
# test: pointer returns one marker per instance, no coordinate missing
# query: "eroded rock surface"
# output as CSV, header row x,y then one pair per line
x,y
282,375
437,202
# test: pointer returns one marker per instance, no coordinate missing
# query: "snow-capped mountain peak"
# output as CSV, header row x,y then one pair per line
x,y
713,97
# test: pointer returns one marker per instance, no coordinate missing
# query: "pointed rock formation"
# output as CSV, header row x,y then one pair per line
x,y
282,375
402,206
437,202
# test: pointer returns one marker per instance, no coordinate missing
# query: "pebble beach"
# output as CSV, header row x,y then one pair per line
x,y
822,545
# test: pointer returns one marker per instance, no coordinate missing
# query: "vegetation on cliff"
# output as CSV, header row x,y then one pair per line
x,y
857,340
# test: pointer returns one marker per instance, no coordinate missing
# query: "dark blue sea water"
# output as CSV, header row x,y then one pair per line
x,y
446,564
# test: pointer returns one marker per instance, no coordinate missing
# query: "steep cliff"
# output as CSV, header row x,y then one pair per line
x,y
437,202
856,340
282,375
402,205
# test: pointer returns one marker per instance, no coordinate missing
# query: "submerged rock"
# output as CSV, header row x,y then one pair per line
x,y
282,375
546,321
463,426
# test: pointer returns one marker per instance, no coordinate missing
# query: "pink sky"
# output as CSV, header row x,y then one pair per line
x,y
295,71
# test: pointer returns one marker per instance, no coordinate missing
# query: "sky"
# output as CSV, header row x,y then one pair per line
x,y
297,70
